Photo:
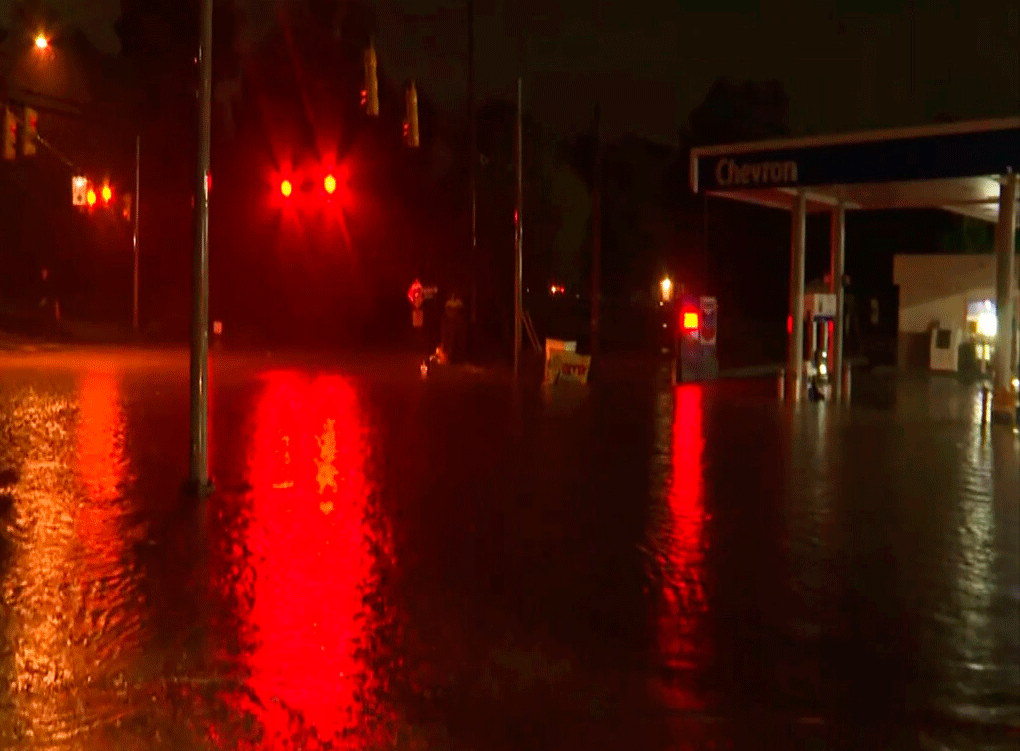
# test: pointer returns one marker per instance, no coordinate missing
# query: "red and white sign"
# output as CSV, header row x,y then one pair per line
x,y
416,294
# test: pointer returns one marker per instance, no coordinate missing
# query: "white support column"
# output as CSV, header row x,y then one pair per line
x,y
837,267
1004,400
795,358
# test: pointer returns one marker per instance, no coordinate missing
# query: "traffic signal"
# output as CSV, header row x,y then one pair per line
x,y
107,193
370,94
10,134
90,197
30,132
329,184
286,188
411,117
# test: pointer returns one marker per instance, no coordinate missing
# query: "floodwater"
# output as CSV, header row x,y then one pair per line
x,y
456,564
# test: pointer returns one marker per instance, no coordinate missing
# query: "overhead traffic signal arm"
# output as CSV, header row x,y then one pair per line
x,y
30,132
411,118
370,94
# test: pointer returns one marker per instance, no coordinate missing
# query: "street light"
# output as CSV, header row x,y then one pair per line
x,y
41,42
666,287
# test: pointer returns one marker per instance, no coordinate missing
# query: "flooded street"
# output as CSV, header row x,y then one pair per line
x,y
456,564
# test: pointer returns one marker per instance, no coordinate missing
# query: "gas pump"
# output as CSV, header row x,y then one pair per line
x,y
695,355
819,315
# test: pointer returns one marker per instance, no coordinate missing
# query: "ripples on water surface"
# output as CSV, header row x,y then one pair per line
x,y
391,563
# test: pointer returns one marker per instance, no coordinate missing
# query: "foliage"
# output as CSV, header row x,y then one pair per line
x,y
740,111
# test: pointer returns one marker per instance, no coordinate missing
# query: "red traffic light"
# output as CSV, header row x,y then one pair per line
x,y
690,320
90,197
107,194
329,183
286,188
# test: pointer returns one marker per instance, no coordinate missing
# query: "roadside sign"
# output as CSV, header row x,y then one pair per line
x,y
416,294
79,190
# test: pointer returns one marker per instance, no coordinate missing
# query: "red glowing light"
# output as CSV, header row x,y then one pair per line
x,y
286,188
690,321
329,184
107,194
90,197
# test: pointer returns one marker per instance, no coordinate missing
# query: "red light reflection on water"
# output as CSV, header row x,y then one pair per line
x,y
309,552
681,620
100,434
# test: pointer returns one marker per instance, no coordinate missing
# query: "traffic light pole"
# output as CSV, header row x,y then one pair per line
x,y
596,235
473,159
519,230
199,470
134,239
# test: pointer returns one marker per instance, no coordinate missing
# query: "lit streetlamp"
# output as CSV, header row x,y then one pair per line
x,y
666,288
41,42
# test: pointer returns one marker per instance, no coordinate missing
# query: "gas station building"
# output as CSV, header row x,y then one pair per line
x,y
968,168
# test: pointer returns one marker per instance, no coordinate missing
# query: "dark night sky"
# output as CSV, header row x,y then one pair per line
x,y
654,62
887,63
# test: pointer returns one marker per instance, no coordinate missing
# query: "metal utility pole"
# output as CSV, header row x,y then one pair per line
x,y
199,477
519,229
596,234
473,159
134,239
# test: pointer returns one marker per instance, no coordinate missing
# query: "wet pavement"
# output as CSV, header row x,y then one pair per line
x,y
456,564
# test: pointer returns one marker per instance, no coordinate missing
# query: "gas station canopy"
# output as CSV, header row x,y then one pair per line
x,y
967,168
956,167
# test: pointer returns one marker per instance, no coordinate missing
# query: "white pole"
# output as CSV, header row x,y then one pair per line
x,y
795,360
1004,400
837,269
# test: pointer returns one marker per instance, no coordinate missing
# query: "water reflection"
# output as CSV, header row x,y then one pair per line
x,y
74,625
310,555
680,544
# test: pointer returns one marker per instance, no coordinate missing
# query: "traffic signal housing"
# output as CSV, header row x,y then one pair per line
x,y
411,118
370,94
30,132
10,134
